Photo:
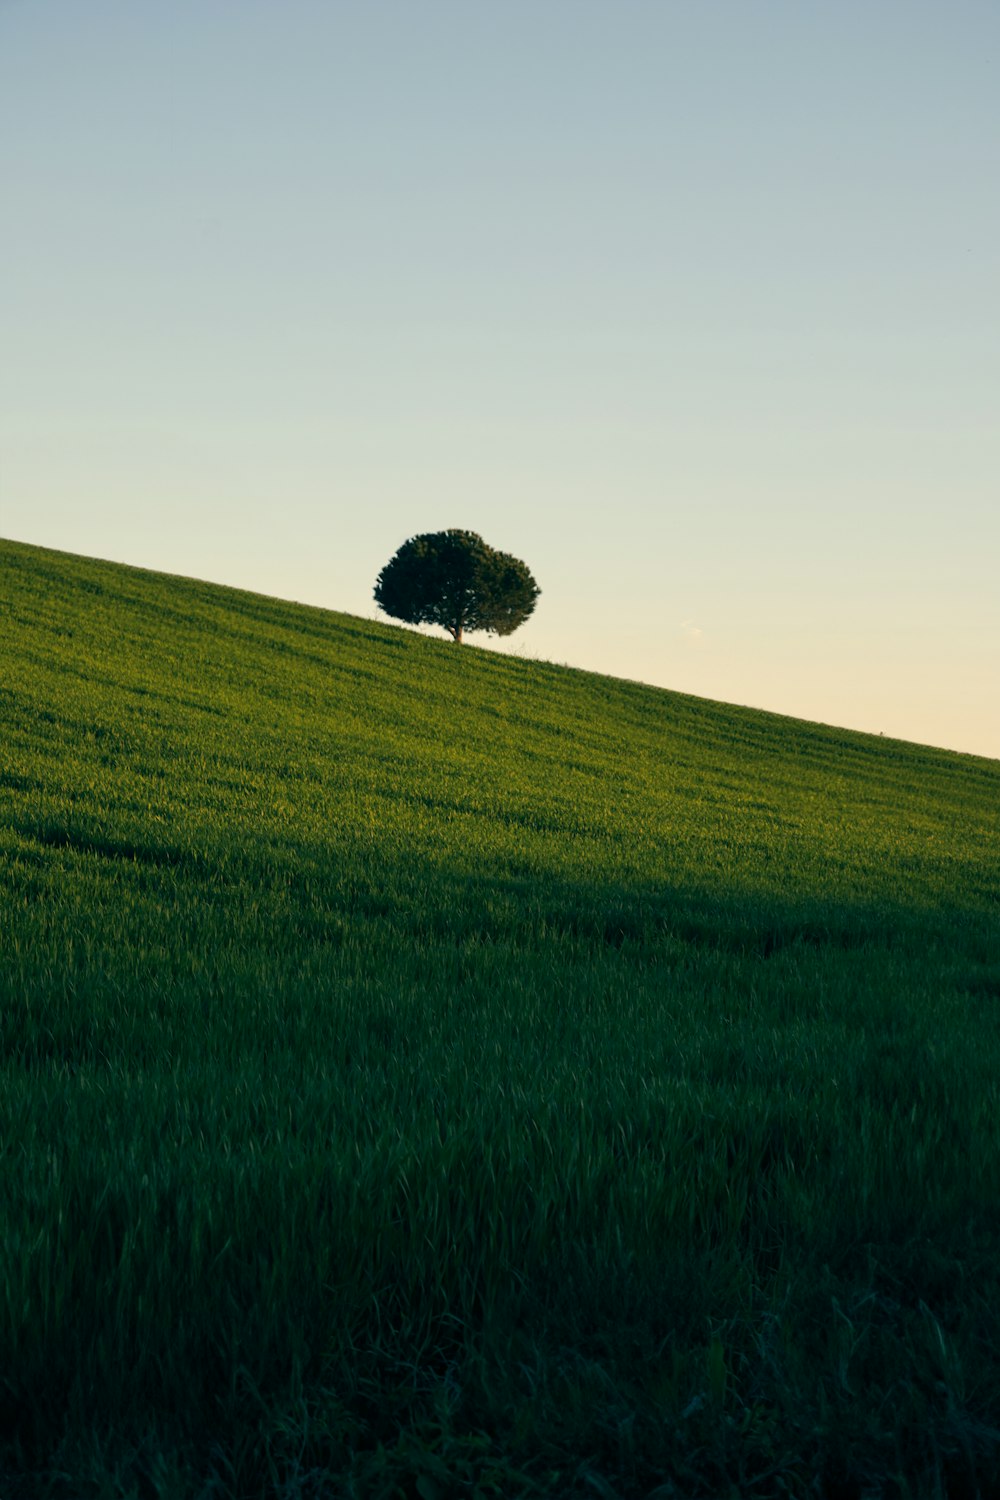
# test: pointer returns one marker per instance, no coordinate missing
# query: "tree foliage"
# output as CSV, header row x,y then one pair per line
x,y
453,579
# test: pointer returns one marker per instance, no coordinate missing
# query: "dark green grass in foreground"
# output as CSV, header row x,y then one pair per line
x,y
427,1073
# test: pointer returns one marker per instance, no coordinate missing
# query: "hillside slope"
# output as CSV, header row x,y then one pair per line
x,y
426,1068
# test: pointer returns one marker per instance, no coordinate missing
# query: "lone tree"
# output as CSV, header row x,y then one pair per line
x,y
452,578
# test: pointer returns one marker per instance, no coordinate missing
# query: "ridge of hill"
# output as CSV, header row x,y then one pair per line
x,y
426,1071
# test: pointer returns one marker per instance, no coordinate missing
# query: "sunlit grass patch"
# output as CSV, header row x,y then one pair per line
x,y
428,1072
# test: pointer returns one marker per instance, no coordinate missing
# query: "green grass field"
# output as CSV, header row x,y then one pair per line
x,y
427,1073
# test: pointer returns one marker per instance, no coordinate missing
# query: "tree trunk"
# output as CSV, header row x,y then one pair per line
x,y
456,633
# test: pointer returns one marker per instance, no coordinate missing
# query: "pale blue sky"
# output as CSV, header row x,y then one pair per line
x,y
694,306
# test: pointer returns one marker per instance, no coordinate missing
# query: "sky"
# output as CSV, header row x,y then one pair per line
x,y
693,307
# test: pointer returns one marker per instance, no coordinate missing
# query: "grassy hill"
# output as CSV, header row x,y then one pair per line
x,y
430,1073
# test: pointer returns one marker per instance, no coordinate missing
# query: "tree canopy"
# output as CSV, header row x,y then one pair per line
x,y
453,579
